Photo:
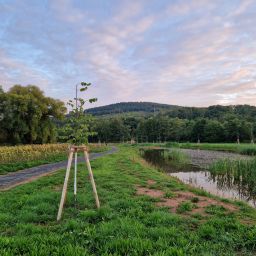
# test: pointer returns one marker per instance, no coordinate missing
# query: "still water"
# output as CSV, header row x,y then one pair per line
x,y
223,185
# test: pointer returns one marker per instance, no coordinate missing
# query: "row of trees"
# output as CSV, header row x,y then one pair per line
x,y
27,116
163,128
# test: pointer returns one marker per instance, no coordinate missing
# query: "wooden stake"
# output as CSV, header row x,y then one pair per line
x,y
64,190
72,150
92,179
75,174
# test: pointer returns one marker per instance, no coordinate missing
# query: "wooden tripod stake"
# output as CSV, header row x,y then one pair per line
x,y
75,149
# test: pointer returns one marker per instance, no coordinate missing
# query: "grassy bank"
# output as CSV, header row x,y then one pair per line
x,y
14,158
132,220
245,149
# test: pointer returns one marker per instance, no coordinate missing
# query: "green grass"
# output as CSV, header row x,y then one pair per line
x,y
185,207
239,173
239,167
16,166
13,167
245,149
126,224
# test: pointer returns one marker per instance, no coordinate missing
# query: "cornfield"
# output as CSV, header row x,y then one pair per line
x,y
23,153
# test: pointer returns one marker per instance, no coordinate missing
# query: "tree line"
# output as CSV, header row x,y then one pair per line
x,y
162,128
28,116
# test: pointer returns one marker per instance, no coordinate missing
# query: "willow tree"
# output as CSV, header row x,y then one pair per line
x,y
27,115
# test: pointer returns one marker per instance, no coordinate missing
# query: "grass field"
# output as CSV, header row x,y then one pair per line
x,y
14,158
131,221
245,149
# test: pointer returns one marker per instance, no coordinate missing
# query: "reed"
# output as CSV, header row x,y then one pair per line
x,y
177,157
236,173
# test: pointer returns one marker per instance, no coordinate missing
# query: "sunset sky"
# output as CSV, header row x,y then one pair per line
x,y
191,53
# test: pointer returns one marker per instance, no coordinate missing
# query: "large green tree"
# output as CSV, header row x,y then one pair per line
x,y
27,115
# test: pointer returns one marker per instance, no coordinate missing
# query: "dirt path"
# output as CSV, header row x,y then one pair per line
x,y
20,177
204,158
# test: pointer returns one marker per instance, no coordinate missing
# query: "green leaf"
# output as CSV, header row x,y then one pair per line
x,y
93,100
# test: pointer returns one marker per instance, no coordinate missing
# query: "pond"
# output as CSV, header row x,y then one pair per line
x,y
223,185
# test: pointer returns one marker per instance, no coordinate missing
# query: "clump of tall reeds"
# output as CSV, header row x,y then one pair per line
x,y
240,173
177,157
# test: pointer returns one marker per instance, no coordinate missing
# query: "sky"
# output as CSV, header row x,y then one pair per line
x,y
187,53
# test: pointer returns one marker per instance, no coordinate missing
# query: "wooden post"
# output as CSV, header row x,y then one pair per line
x,y
75,174
64,190
92,179
72,150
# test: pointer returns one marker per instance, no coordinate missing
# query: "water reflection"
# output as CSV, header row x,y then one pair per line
x,y
228,185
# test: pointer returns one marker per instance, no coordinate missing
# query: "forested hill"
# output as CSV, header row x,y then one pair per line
x,y
234,123
173,111
124,107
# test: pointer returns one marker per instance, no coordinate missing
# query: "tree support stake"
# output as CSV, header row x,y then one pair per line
x,y
72,150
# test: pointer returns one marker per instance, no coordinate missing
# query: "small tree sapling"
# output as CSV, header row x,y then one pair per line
x,y
77,127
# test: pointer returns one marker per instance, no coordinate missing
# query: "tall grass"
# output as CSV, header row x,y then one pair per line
x,y
240,173
22,153
177,157
13,158
240,166
168,160
245,149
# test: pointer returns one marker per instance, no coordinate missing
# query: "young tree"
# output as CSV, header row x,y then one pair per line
x,y
77,127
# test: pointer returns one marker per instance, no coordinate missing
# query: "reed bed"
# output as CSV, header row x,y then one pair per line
x,y
245,167
239,173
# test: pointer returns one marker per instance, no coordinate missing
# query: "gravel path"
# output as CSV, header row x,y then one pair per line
x,y
204,158
20,177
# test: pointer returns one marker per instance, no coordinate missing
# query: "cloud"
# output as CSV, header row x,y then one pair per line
x,y
242,8
106,47
12,70
197,52
65,11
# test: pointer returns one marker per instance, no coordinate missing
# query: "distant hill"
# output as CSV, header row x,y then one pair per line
x,y
139,109
124,107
